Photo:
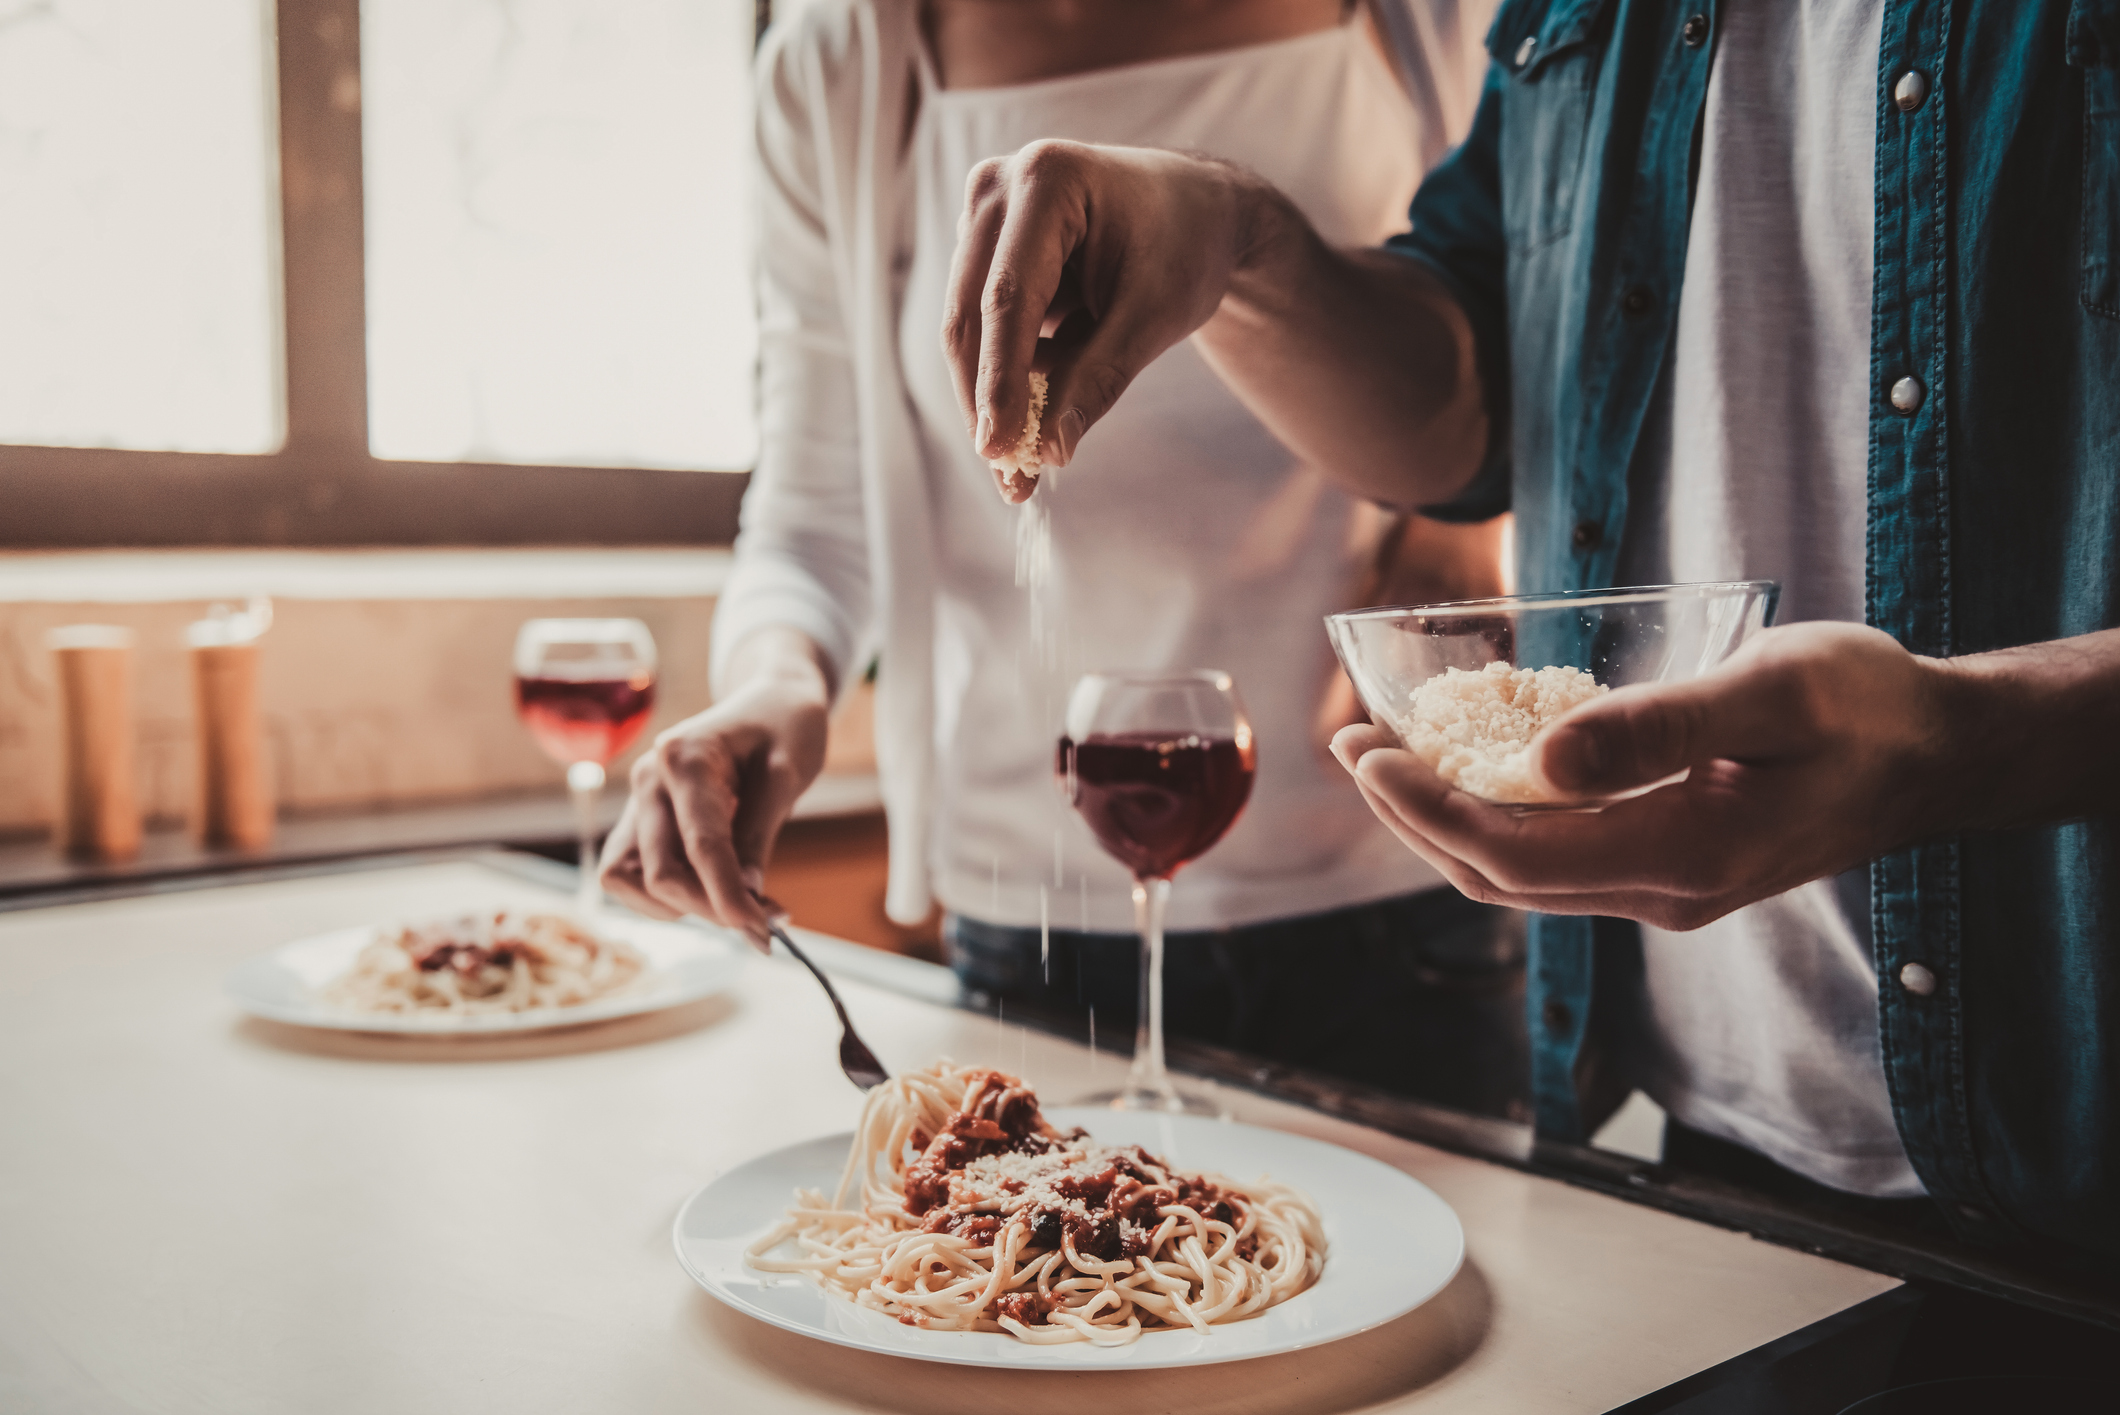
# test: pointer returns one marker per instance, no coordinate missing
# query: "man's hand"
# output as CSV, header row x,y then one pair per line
x,y
1114,253
1815,748
709,798
1089,262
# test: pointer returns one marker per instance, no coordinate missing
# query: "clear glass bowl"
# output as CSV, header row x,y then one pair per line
x,y
1621,637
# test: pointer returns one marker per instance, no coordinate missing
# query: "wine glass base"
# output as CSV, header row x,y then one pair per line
x,y
1183,1100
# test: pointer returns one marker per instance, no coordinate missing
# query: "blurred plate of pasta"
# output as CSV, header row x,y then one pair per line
x,y
486,971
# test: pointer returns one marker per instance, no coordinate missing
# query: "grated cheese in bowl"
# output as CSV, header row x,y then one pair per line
x,y
1474,725
1474,729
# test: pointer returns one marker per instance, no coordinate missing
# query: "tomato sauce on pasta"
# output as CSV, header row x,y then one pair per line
x,y
962,1209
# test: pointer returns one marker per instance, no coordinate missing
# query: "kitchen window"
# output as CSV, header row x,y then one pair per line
x,y
323,272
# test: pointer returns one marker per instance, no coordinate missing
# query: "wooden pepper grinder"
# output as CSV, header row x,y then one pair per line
x,y
99,798
233,805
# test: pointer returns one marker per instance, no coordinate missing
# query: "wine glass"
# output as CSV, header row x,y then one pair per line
x,y
1158,766
584,688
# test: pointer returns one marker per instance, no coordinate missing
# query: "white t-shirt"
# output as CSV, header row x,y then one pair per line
x,y
1762,1027
1183,535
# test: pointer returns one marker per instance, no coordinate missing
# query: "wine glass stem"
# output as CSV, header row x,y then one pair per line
x,y
585,781
1148,1078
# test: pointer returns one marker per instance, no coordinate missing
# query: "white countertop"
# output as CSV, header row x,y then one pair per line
x,y
201,1212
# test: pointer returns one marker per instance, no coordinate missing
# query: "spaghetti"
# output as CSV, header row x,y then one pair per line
x,y
490,962
975,1214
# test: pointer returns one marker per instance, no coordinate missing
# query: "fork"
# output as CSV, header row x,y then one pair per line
x,y
855,1058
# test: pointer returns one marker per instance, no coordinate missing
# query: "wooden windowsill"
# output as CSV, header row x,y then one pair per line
x,y
31,869
183,576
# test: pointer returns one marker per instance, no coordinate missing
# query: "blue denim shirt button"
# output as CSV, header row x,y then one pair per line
x,y
1917,979
1587,535
1907,394
1911,89
1695,31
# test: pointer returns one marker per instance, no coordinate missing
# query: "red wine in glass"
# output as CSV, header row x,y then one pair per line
x,y
1155,801
585,719
1159,766
585,688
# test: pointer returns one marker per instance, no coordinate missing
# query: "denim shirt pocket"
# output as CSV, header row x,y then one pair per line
x,y
1545,47
2094,48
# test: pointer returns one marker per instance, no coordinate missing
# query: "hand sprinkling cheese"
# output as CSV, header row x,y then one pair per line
x,y
1020,463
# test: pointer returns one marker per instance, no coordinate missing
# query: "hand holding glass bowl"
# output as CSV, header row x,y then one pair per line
x,y
585,688
1733,762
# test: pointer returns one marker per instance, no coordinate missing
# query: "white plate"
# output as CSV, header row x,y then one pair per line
x,y
1392,1245
685,962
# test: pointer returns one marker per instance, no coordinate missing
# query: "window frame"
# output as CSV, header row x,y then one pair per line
x,y
323,487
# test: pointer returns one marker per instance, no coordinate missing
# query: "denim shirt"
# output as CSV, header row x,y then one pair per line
x,y
1994,502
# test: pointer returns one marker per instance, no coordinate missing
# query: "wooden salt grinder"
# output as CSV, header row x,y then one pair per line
x,y
234,805
99,800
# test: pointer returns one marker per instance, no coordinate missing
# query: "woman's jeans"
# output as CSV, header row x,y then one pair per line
x,y
1422,995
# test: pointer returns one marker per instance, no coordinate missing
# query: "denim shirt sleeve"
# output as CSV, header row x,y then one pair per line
x,y
1457,234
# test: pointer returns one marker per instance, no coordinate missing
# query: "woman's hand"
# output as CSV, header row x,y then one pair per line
x,y
1815,748
709,798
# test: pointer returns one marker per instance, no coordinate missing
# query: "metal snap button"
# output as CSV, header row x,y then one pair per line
x,y
1907,394
1917,979
1911,89
1587,535
1695,32
1525,50
1636,301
